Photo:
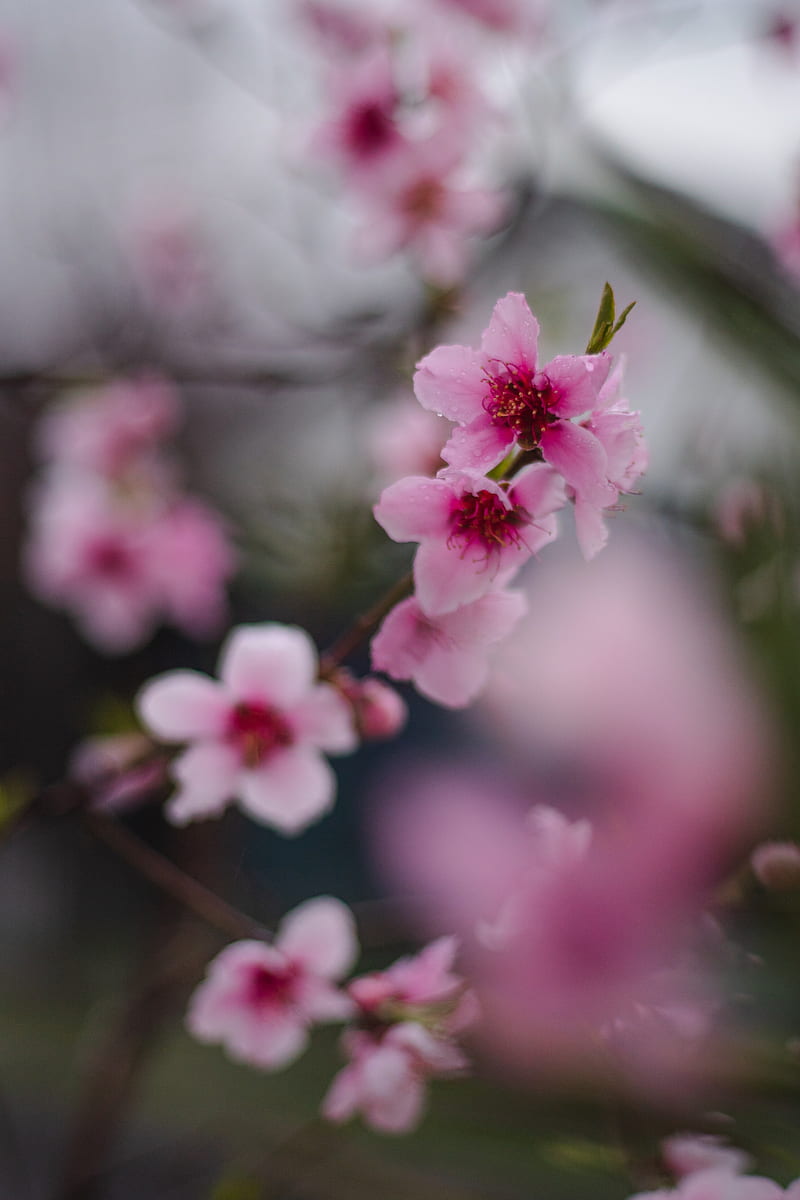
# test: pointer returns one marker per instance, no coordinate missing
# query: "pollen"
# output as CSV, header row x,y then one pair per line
x,y
522,402
483,519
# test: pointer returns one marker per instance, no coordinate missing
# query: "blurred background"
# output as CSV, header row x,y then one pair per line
x,y
168,210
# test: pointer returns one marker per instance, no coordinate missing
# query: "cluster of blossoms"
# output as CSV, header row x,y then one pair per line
x,y
260,1001
561,433
408,115
113,538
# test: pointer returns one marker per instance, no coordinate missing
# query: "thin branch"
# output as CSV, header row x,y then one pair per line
x,y
363,626
169,878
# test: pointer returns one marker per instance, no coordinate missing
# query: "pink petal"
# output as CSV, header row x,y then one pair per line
x,y
325,719
206,775
578,379
414,507
402,641
394,1096
321,935
271,1041
448,576
292,789
272,662
512,334
478,446
590,528
182,705
450,381
539,490
343,1096
322,1001
488,620
580,458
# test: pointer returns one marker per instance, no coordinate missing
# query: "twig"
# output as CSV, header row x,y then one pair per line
x,y
363,626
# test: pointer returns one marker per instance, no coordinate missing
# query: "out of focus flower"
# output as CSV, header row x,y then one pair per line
x,y
505,16
379,710
447,657
190,558
473,533
169,258
365,135
403,439
105,429
777,865
89,556
741,505
720,1184
500,397
421,205
341,28
260,1000
686,1153
410,1016
257,735
786,245
119,771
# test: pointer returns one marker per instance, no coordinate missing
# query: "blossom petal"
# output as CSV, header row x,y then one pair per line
x,y
449,576
181,705
292,789
453,679
539,490
512,334
478,446
272,662
414,507
321,935
577,380
581,459
207,776
269,1042
325,719
590,528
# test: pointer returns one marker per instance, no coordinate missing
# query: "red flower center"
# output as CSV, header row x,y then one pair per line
x,y
423,200
483,518
110,558
370,130
521,401
257,731
271,986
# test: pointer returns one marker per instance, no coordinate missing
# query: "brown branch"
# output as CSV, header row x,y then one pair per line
x,y
169,878
363,626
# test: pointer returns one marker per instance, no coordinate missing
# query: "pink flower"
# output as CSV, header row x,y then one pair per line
x,y
411,1014
417,204
445,656
259,1000
118,770
365,133
258,733
89,556
105,429
340,28
719,1183
505,16
500,396
474,533
191,559
686,1153
786,245
620,433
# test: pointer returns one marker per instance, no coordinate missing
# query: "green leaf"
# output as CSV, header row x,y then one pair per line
x,y
606,325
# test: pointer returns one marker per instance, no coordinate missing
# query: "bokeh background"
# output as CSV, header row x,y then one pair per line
x,y
164,209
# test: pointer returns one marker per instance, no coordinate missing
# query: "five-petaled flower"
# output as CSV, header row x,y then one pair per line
x,y
474,533
500,396
259,1000
258,734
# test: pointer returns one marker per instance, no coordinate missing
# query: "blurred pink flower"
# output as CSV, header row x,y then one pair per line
x,y
105,429
786,245
191,560
364,134
473,533
505,16
776,865
411,1013
341,28
119,771
686,1153
258,733
170,257
717,1183
420,204
445,656
259,1000
500,397
87,555
403,439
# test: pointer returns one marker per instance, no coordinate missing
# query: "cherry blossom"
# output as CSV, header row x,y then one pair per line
x,y
473,533
500,396
379,710
445,656
257,735
365,133
776,865
686,1153
410,1015
259,1000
